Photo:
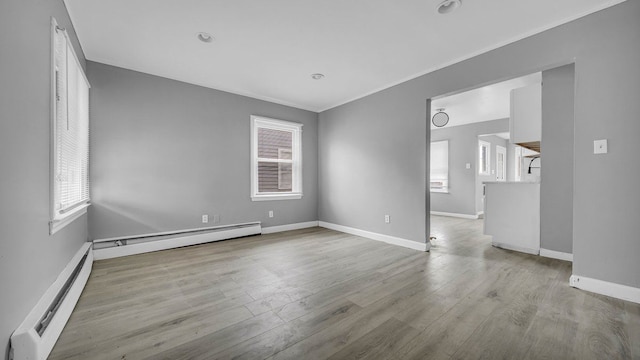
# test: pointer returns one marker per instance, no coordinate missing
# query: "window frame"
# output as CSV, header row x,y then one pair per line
x,y
501,170
445,188
518,163
481,144
59,218
296,193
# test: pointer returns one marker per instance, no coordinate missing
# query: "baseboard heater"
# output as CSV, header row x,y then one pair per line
x,y
35,337
138,244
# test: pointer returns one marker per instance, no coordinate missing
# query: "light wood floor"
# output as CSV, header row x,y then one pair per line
x,y
317,294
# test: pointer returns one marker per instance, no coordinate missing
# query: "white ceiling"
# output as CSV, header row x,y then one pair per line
x,y
269,49
490,102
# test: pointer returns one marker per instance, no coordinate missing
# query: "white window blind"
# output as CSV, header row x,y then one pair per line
x,y
70,178
276,159
439,160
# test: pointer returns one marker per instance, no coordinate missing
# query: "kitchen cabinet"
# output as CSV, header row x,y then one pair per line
x,y
525,120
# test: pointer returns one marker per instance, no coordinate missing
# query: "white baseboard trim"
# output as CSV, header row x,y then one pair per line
x,y
463,216
556,255
164,244
618,291
26,343
515,248
379,237
288,227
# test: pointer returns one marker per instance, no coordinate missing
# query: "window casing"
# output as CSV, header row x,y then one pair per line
x,y
70,133
501,163
276,159
439,167
484,162
518,163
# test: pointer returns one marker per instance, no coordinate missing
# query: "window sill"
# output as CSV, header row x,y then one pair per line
x,y
59,223
276,197
439,191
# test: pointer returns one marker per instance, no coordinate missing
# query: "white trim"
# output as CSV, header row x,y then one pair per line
x,y
471,55
515,248
288,227
269,197
379,237
439,191
463,216
556,255
481,144
607,288
58,220
164,244
59,223
296,158
25,341
501,150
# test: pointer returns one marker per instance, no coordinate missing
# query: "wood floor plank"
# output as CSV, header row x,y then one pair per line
x,y
316,294
204,347
284,336
380,343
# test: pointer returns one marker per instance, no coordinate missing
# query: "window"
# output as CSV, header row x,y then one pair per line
x,y
276,159
70,133
518,163
501,163
484,150
439,173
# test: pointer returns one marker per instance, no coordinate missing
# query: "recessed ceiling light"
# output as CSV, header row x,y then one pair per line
x,y
205,37
448,6
317,76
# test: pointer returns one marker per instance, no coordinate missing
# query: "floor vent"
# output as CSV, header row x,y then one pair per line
x,y
38,333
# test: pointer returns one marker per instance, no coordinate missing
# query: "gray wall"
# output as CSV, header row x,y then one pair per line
x,y
165,152
480,179
463,149
556,183
373,152
373,161
30,259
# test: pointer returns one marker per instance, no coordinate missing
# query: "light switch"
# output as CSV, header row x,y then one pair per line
x,y
468,166
600,146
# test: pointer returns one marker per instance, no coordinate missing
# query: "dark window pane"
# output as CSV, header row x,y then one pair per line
x,y
274,144
274,177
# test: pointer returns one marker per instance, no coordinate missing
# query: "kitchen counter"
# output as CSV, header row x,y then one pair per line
x,y
512,215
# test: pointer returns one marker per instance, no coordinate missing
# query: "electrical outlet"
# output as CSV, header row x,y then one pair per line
x,y
600,146
216,219
270,213
387,219
205,219
468,166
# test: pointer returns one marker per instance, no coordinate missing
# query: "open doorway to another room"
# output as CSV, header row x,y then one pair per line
x,y
486,156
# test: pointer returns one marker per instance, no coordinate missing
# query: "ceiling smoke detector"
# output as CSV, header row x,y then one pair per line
x,y
317,76
205,37
448,6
